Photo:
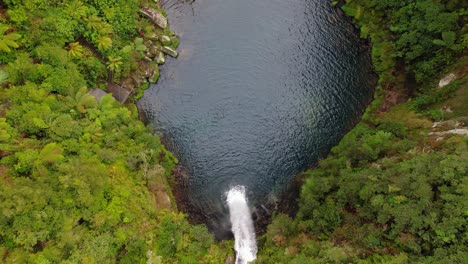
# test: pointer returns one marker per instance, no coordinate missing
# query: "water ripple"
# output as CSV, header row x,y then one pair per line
x,y
261,90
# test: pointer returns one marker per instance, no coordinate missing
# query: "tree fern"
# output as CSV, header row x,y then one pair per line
x,y
8,40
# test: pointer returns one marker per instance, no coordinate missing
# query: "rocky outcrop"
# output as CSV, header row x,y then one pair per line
x,y
169,51
158,43
457,131
447,80
159,19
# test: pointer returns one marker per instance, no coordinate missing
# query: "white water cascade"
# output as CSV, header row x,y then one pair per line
x,y
242,226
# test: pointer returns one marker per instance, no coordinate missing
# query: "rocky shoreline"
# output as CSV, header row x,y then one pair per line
x,y
155,47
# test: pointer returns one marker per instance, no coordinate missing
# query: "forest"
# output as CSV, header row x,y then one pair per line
x,y
81,180
84,181
395,189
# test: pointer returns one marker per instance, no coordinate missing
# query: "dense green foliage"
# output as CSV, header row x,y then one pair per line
x,y
420,36
81,180
386,193
84,35
390,192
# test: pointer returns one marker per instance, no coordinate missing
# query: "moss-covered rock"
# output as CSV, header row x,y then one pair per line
x,y
154,69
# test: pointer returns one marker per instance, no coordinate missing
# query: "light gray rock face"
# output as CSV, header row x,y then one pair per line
x,y
457,131
160,58
159,19
169,51
447,80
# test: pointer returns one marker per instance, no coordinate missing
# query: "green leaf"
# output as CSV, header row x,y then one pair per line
x,y
51,153
439,42
127,49
8,40
104,42
449,38
75,49
138,41
114,63
3,76
4,136
140,47
86,101
3,29
12,36
39,123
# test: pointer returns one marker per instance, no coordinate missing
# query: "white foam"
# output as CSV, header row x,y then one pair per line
x,y
245,243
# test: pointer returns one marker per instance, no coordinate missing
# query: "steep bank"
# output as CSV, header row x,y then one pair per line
x,y
394,189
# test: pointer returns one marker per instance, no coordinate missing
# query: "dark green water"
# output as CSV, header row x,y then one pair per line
x,y
261,90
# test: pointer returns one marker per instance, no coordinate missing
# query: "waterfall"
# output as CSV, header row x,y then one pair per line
x,y
242,226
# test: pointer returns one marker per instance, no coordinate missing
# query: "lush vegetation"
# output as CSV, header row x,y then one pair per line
x,y
417,37
81,180
390,192
90,42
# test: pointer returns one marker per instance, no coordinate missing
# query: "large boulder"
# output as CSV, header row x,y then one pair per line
x,y
169,51
159,19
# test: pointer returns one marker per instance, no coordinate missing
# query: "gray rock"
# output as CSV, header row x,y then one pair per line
x,y
159,19
447,80
449,124
457,131
160,58
165,40
169,51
